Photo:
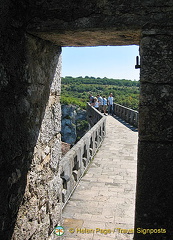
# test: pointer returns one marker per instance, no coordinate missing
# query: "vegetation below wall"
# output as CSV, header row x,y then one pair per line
x,y
73,124
76,90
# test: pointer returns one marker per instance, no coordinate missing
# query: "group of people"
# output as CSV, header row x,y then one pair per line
x,y
101,103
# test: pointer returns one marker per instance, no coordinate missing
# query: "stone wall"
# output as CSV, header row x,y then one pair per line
x,y
41,206
30,140
155,155
97,22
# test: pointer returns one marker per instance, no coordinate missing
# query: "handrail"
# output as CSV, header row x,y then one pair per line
x,y
76,161
127,114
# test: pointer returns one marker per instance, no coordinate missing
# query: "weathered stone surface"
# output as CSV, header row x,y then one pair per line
x,y
154,192
157,57
156,112
91,37
97,22
14,136
30,139
154,181
40,209
65,147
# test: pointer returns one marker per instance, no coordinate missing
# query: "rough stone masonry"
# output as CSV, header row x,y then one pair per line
x,y
30,140
32,33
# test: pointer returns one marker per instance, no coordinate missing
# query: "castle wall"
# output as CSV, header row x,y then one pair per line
x,y
30,138
155,155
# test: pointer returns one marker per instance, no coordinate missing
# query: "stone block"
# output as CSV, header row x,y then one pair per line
x,y
156,113
156,59
154,187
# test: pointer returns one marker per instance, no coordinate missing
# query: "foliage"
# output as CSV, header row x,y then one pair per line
x,y
82,127
68,99
76,90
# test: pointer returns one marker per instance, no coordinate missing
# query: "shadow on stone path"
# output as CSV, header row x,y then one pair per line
x,y
102,206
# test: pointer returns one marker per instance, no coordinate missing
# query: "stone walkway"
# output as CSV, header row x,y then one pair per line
x,y
102,206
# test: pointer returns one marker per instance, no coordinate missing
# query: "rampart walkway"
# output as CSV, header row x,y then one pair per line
x,y
105,196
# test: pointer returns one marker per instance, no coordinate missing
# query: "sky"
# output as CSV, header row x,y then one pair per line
x,y
116,62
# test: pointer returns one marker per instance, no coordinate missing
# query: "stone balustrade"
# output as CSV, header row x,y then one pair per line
x,y
127,114
74,164
93,115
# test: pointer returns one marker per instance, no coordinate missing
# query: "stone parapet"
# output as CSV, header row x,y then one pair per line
x,y
127,114
93,115
74,164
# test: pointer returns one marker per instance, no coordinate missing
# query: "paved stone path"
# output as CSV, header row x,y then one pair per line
x,y
102,206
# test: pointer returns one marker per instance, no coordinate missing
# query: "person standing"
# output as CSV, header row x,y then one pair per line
x,y
104,104
100,100
91,99
96,103
110,104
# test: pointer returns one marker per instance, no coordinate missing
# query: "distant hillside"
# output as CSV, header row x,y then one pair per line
x,y
76,90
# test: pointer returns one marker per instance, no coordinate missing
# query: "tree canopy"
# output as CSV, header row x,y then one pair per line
x,y
76,90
